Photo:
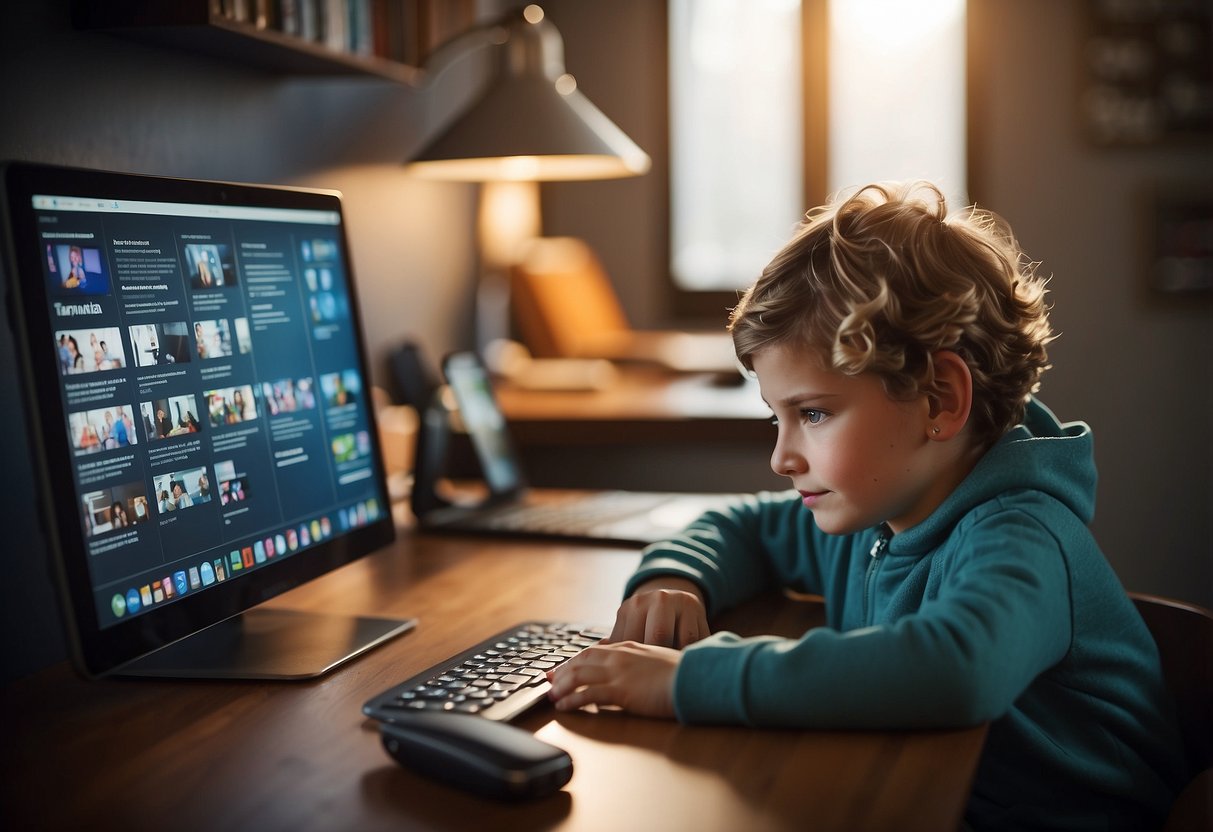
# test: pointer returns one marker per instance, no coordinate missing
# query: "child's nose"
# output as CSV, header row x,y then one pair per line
x,y
786,461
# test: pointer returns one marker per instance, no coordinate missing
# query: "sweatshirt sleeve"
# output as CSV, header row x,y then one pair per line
x,y
733,554
1001,616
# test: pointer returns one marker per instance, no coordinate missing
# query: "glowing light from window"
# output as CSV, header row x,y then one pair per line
x,y
735,132
896,92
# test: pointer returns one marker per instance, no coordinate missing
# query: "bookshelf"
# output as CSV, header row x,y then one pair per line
x,y
387,39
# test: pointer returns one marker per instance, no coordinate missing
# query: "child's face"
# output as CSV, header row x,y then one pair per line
x,y
857,457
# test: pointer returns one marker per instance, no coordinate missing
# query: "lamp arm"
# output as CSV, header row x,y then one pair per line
x,y
455,48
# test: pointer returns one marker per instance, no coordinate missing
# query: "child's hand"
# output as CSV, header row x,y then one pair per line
x,y
639,678
668,612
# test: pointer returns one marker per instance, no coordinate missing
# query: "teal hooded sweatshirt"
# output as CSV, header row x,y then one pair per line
x,y
998,607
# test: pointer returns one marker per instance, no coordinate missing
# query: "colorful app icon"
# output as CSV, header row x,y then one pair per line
x,y
207,573
280,544
259,552
132,601
237,564
157,592
220,570
372,508
246,555
145,595
180,582
118,604
269,547
292,540
167,585
305,537
195,580
315,530
326,527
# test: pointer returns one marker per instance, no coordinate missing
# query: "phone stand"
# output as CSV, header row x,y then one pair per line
x,y
429,460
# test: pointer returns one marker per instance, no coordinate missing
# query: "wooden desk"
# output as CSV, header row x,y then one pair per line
x,y
142,754
652,430
650,403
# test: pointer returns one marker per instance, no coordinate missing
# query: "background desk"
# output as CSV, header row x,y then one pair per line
x,y
141,754
652,430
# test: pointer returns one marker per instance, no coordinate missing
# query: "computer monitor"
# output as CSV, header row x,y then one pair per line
x,y
199,407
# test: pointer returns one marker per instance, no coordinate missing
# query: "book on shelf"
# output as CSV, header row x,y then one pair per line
x,y
388,29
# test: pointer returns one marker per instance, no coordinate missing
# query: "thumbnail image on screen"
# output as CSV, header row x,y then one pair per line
x,y
209,265
220,338
118,507
167,343
340,389
233,484
230,405
90,350
76,270
288,395
170,416
182,489
102,429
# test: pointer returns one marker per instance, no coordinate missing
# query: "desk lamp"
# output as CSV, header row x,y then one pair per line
x,y
529,125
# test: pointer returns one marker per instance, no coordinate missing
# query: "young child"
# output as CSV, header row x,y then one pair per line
x,y
940,510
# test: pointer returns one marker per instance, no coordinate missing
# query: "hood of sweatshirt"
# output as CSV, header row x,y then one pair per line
x,y
1040,454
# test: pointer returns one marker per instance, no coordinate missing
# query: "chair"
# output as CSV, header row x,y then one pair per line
x,y
1184,635
565,306
563,301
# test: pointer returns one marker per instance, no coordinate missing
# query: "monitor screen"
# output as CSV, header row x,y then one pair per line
x,y
197,394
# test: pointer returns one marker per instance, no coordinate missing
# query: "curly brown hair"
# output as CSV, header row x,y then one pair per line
x,y
881,281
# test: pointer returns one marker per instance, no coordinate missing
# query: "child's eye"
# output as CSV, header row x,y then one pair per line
x,y
808,414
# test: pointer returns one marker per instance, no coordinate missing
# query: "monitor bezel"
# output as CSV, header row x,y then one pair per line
x,y
95,650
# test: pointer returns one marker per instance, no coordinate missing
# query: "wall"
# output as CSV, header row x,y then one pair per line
x,y
618,60
1138,369
95,100
1136,366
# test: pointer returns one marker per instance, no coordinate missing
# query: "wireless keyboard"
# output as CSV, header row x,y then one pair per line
x,y
498,679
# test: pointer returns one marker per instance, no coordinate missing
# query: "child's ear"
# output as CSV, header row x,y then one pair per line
x,y
952,397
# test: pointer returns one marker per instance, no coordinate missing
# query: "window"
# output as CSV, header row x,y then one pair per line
x,y
748,151
735,137
896,93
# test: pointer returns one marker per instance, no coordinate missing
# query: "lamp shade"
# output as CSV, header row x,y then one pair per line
x,y
530,123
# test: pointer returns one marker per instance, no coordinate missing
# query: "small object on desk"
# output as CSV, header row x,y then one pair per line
x,y
511,360
398,425
491,759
